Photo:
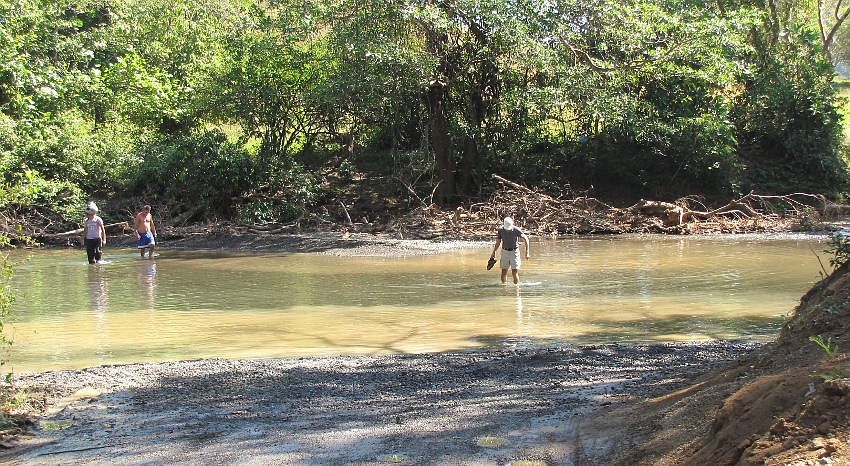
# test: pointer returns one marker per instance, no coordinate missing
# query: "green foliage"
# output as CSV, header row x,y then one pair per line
x,y
264,211
28,193
789,128
46,167
67,148
827,345
839,247
636,89
6,298
655,97
203,169
808,219
346,170
10,398
286,195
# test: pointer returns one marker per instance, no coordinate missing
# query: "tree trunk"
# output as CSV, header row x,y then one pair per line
x,y
441,144
483,95
440,137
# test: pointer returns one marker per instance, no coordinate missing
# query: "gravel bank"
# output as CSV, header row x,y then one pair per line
x,y
525,407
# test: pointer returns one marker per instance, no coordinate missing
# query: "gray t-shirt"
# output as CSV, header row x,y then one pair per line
x,y
510,237
92,227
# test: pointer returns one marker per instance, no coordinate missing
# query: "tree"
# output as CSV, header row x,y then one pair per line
x,y
832,15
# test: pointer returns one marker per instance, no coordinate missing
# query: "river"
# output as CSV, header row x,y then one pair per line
x,y
585,290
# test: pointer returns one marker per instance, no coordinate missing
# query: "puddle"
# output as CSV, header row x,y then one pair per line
x,y
491,442
87,393
50,426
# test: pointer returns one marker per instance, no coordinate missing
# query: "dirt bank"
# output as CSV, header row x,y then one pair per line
x,y
788,403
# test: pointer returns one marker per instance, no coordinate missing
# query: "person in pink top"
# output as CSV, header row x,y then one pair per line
x,y
94,234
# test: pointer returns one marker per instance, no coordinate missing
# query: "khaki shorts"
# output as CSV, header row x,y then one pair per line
x,y
510,259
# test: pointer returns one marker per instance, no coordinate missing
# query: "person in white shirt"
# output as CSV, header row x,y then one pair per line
x,y
94,234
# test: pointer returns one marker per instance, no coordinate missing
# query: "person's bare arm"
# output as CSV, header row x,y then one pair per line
x,y
496,247
136,225
526,242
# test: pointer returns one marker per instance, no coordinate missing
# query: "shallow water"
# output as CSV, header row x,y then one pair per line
x,y
201,304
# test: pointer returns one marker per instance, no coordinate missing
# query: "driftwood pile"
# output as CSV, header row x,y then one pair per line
x,y
537,213
542,215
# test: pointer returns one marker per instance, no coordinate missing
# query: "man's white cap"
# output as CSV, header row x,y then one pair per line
x,y
91,208
509,223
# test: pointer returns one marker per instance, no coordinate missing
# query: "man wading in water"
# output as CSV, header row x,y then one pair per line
x,y
507,238
145,231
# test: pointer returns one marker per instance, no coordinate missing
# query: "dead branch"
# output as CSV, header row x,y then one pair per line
x,y
80,230
185,216
543,215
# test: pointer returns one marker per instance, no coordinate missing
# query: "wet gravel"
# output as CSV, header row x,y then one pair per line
x,y
469,408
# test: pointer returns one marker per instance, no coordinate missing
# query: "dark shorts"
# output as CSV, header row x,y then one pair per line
x,y
94,250
145,240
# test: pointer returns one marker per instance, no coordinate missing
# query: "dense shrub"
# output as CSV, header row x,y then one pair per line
x,y
35,200
202,169
788,126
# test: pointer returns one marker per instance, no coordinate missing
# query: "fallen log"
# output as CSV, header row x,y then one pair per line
x,y
185,216
671,214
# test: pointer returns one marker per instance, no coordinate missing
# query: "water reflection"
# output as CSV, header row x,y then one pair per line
x,y
190,304
146,275
98,304
97,287
524,325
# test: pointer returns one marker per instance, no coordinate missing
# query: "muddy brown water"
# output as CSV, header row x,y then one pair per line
x,y
202,304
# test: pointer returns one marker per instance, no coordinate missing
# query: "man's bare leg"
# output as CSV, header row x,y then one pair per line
x,y
515,274
504,275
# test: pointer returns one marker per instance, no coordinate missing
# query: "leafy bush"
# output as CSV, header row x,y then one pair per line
x,y
789,129
48,165
11,399
204,169
839,247
6,296
28,193
287,194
